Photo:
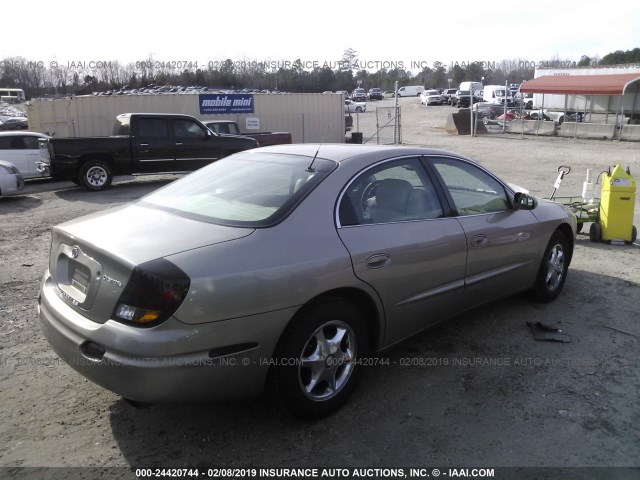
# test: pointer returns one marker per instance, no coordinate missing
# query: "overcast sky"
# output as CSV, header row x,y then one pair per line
x,y
285,30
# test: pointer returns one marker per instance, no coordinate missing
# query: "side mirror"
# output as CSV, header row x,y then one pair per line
x,y
522,201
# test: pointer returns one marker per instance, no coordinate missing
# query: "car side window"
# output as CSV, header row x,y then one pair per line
x,y
31,143
472,190
153,127
187,129
392,192
6,143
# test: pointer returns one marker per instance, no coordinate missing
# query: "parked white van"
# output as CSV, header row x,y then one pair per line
x,y
410,91
497,94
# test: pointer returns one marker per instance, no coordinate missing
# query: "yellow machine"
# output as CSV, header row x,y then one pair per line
x,y
617,202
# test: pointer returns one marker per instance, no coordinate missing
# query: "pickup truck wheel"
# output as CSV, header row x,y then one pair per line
x,y
95,175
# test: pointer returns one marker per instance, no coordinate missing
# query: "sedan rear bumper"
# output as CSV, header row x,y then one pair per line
x,y
172,362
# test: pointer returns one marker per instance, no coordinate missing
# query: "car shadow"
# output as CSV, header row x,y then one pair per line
x,y
18,203
583,240
427,398
117,192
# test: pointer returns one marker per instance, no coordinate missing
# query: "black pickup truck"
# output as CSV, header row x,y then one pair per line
x,y
142,144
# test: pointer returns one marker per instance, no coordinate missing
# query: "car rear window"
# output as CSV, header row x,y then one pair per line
x,y
246,189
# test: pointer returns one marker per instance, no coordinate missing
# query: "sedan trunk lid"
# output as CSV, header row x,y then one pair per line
x,y
93,257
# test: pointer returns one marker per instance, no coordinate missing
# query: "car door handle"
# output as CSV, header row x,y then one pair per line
x,y
144,144
479,240
179,143
379,260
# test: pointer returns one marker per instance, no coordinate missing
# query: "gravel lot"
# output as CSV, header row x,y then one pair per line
x,y
478,390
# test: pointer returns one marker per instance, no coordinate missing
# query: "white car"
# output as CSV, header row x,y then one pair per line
x,y
350,106
431,97
11,181
22,150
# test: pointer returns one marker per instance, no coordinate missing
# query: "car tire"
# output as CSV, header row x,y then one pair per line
x,y
634,233
595,232
485,119
359,109
323,341
95,175
553,268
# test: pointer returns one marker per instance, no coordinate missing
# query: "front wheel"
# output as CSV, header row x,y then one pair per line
x,y
95,175
553,269
595,232
317,368
485,120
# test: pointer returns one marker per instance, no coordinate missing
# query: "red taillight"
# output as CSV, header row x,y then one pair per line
x,y
154,292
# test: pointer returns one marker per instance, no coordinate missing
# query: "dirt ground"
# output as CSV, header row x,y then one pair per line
x,y
475,391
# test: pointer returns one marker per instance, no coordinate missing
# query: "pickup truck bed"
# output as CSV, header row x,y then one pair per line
x,y
264,139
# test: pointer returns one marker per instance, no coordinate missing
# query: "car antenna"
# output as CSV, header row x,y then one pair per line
x,y
310,167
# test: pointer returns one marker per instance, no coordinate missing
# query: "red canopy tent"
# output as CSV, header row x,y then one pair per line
x,y
611,84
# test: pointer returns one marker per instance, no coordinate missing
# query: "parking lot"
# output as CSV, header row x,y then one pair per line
x,y
477,390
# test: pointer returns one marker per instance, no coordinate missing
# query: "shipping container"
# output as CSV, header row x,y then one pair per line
x,y
309,117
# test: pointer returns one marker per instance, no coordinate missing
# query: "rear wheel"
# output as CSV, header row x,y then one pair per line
x,y
634,233
553,269
595,232
317,367
485,120
359,109
95,175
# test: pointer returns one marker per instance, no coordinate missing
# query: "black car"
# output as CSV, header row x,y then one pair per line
x,y
487,112
14,123
375,94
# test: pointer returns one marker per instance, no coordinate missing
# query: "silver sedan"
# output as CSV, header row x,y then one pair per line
x,y
290,267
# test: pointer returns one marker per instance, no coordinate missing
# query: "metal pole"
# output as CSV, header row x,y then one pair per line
x,y
617,112
606,118
471,123
504,122
396,133
540,116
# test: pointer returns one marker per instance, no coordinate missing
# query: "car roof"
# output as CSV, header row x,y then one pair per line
x,y
22,132
340,152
